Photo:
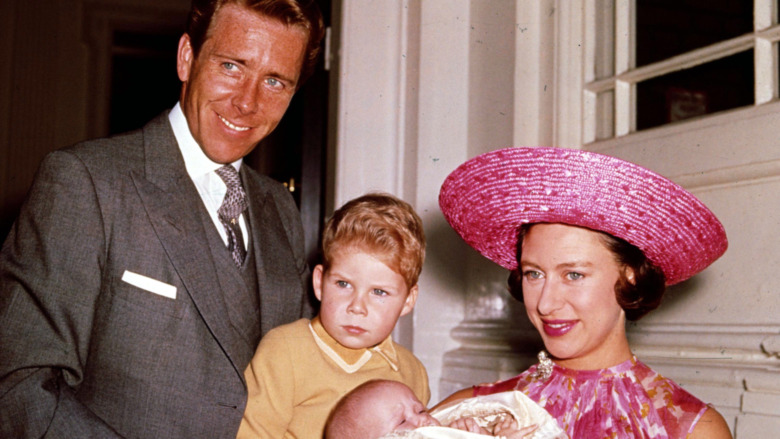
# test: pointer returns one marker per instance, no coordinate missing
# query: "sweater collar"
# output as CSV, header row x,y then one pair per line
x,y
351,360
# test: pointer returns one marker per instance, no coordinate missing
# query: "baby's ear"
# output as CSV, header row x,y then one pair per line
x,y
411,300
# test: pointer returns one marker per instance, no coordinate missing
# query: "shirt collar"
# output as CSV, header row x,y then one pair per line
x,y
195,159
351,360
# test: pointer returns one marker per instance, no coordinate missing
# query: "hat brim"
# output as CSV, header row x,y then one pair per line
x,y
489,197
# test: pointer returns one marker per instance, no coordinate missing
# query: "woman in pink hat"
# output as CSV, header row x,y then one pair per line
x,y
590,241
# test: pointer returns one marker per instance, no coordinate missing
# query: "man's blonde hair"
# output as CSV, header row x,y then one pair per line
x,y
384,226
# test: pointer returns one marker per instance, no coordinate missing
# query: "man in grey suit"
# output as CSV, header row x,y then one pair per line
x,y
142,272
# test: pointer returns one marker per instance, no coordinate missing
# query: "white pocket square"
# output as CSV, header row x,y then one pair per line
x,y
149,284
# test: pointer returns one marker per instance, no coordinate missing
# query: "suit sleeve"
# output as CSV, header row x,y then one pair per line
x,y
270,379
50,280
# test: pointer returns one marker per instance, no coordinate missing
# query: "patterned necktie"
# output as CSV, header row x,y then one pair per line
x,y
232,207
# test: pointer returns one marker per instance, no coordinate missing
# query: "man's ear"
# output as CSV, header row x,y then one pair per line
x,y
411,299
184,58
316,280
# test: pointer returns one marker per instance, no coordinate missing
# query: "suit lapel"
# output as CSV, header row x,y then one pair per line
x,y
173,204
272,252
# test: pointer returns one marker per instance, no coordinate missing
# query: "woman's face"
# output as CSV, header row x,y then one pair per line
x,y
569,279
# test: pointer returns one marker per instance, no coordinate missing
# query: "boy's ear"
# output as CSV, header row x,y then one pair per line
x,y
316,280
411,299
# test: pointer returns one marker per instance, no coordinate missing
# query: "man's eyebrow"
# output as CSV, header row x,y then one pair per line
x,y
234,59
244,62
283,77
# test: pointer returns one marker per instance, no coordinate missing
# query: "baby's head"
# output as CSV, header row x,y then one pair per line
x,y
376,408
373,250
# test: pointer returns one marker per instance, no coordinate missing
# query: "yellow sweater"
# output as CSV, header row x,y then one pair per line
x,y
299,372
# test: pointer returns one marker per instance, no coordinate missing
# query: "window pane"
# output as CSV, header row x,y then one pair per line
x,y
665,28
716,86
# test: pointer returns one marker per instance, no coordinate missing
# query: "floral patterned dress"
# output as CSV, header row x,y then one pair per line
x,y
629,400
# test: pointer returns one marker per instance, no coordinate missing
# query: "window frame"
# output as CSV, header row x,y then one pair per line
x,y
608,103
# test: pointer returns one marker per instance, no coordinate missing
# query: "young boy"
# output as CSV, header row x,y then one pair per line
x,y
373,250
388,409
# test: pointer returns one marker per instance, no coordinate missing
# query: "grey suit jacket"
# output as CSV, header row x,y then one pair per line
x,y
84,353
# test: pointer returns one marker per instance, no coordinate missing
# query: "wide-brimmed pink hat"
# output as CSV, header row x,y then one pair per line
x,y
487,198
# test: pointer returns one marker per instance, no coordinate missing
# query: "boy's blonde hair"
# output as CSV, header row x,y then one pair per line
x,y
384,226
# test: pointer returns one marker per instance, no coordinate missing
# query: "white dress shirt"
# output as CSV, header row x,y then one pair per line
x,y
201,169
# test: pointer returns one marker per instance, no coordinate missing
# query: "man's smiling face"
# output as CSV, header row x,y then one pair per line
x,y
237,89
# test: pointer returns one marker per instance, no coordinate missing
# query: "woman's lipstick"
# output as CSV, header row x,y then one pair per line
x,y
557,328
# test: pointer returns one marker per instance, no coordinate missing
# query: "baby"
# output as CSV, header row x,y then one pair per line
x,y
389,409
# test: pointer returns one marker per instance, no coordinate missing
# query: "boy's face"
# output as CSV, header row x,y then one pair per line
x,y
362,298
394,408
